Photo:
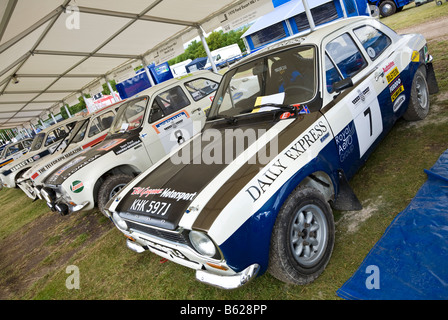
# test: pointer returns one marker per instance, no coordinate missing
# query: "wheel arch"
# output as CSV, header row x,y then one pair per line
x,y
121,169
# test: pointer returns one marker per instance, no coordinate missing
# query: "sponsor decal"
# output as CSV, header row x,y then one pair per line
x,y
361,97
68,165
344,141
392,75
396,88
415,56
36,157
398,102
168,123
64,156
172,194
110,144
286,115
139,191
126,146
389,66
298,148
77,186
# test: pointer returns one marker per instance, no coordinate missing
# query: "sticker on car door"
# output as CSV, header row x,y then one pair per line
x,y
367,117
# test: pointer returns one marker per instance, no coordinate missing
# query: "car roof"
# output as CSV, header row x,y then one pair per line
x,y
312,37
150,91
63,122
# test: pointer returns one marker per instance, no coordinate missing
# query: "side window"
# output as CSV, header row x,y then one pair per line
x,y
331,73
172,100
27,143
156,112
373,40
344,52
101,123
200,88
54,136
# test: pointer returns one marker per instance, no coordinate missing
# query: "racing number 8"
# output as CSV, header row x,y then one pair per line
x,y
179,136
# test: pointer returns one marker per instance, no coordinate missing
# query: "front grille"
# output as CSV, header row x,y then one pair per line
x,y
176,237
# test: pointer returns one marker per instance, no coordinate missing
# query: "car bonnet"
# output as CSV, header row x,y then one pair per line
x,y
116,144
175,186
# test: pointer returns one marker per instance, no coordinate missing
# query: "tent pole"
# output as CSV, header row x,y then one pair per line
x,y
207,49
309,15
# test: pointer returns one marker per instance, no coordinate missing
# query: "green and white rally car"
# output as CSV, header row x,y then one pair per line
x,y
289,126
44,143
145,129
86,134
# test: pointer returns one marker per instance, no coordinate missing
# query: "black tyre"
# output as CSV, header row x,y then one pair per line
x,y
418,107
303,237
111,185
387,8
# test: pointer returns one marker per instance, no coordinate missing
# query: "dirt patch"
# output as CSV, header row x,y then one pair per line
x,y
352,220
45,246
431,30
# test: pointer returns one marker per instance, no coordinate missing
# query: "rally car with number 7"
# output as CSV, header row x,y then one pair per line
x,y
288,128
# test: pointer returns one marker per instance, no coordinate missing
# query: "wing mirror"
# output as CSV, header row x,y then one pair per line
x,y
342,85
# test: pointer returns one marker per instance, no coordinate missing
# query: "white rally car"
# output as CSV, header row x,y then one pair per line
x,y
86,134
145,129
289,126
14,151
44,143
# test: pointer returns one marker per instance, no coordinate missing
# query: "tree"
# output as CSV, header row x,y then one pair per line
x,y
216,40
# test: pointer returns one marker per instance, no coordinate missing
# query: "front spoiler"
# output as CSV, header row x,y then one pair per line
x,y
221,281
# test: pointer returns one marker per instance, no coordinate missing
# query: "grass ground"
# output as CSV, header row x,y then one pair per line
x,y
33,264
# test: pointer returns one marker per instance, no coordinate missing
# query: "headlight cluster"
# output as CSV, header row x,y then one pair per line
x,y
48,194
120,223
202,243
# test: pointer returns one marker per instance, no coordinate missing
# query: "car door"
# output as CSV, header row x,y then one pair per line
x,y
177,114
362,113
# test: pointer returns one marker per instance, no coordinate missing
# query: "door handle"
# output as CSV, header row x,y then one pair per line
x,y
198,110
379,75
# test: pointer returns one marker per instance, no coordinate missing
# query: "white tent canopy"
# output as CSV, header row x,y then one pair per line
x,y
53,50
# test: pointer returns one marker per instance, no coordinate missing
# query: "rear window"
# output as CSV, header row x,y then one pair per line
x,y
373,40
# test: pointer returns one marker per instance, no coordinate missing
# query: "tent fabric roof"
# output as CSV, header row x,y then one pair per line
x,y
57,48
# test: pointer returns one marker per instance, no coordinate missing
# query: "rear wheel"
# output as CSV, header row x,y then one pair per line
x,y
303,237
418,107
110,187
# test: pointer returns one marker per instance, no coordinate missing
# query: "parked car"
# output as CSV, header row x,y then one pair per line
x,y
44,143
145,129
86,134
316,106
14,151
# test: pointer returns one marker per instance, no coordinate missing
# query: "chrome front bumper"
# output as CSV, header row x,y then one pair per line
x,y
232,281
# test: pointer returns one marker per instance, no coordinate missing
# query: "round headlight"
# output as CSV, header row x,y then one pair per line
x,y
48,194
119,222
202,243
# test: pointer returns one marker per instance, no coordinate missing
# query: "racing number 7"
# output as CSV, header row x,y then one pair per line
x,y
369,112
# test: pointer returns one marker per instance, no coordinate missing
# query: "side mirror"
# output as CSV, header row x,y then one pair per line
x,y
342,85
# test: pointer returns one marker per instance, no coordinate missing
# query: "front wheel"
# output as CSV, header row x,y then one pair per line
x,y
303,237
110,187
418,107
